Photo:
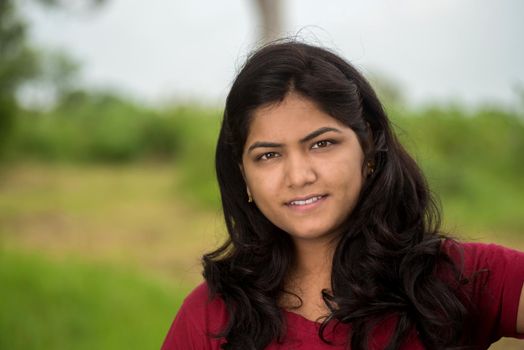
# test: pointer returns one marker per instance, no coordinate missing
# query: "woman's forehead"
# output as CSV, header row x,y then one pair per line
x,y
294,117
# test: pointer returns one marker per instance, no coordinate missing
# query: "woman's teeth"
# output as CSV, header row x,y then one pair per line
x,y
306,202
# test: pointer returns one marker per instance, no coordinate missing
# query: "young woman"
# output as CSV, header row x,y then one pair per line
x,y
334,238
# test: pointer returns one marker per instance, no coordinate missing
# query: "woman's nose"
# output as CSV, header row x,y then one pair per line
x,y
299,172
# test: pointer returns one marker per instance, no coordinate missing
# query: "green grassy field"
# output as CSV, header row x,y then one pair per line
x,y
47,304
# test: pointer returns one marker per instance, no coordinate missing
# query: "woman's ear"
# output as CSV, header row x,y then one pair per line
x,y
249,196
242,171
250,199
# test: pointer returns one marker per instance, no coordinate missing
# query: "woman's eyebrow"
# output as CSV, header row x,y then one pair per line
x,y
318,132
308,137
262,144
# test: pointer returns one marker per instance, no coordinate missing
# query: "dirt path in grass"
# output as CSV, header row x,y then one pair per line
x,y
123,215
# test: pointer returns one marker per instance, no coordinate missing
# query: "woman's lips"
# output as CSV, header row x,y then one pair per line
x,y
306,204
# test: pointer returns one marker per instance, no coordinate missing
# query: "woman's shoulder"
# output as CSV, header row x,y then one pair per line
x,y
493,276
200,317
474,256
201,295
205,308
485,261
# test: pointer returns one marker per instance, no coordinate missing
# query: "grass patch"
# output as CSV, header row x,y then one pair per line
x,y
70,305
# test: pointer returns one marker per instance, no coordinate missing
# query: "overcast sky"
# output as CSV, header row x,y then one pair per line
x,y
437,50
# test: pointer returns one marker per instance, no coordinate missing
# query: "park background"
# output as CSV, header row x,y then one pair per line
x,y
109,113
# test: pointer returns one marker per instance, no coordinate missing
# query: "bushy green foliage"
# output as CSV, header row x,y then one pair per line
x,y
473,158
103,127
94,127
198,132
473,161
50,305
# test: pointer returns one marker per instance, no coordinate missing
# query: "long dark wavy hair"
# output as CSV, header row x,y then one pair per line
x,y
385,261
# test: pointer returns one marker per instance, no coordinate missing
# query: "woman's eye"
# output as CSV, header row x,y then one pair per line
x,y
322,144
267,156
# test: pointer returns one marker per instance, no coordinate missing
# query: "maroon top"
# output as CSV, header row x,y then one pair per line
x,y
494,294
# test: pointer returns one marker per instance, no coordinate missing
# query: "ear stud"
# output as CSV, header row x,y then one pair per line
x,y
371,167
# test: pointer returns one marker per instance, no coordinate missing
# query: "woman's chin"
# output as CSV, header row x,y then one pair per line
x,y
310,235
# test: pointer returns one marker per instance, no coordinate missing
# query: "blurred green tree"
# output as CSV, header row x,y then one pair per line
x,y
18,63
21,63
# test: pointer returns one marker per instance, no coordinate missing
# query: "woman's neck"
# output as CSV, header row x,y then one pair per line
x,y
308,276
312,259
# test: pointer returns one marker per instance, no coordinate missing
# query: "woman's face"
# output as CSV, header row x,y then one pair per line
x,y
302,167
